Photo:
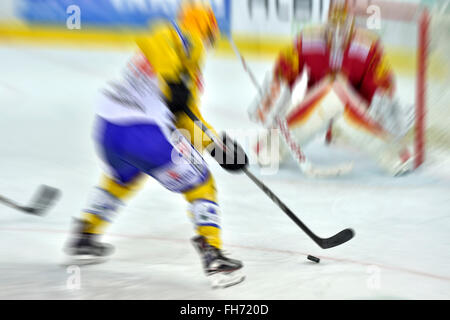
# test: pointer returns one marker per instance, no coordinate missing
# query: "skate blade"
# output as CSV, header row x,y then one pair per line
x,y
226,279
83,260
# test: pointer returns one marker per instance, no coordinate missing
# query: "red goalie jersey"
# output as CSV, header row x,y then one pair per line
x,y
350,90
362,62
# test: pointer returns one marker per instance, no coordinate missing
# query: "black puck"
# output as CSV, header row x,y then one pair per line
x,y
312,258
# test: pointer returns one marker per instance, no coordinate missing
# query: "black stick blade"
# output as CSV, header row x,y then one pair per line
x,y
44,198
337,239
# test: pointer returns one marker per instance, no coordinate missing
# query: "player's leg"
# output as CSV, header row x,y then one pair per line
x,y
359,132
106,199
188,174
204,211
357,128
103,204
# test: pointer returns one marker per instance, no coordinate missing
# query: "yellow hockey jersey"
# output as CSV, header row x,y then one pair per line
x,y
175,57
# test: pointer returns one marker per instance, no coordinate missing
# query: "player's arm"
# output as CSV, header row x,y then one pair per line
x,y
277,87
161,52
378,88
160,48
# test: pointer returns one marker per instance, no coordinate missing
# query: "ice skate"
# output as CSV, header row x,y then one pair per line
x,y
222,271
84,248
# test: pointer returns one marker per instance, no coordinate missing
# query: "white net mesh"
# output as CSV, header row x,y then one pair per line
x,y
438,97
401,36
399,26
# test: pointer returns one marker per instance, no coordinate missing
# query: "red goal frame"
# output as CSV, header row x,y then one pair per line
x,y
409,13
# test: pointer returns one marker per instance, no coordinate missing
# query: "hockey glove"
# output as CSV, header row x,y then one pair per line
x,y
180,95
230,154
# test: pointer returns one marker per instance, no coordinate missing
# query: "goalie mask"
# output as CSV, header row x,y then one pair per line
x,y
339,29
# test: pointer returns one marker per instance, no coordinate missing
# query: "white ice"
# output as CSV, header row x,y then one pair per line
x,y
401,249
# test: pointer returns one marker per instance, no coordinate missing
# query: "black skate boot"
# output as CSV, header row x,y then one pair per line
x,y
84,248
222,271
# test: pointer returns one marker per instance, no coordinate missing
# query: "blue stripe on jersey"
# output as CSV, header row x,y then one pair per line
x,y
208,225
182,38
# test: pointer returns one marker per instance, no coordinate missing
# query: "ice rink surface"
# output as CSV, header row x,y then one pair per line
x,y
401,249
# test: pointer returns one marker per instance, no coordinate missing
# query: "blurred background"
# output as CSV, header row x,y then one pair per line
x,y
56,54
260,28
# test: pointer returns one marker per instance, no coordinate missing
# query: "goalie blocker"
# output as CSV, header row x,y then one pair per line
x,y
377,130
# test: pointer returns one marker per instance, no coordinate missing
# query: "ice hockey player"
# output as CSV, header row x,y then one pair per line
x,y
142,130
350,94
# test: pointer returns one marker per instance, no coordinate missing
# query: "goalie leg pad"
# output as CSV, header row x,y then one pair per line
x,y
361,134
357,128
270,149
311,117
272,101
314,114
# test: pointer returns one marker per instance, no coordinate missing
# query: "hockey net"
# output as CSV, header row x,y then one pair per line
x,y
417,42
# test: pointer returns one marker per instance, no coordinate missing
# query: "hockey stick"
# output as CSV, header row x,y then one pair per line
x,y
325,243
305,165
43,199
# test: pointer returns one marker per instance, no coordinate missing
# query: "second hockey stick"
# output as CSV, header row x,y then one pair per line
x,y
43,199
325,243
